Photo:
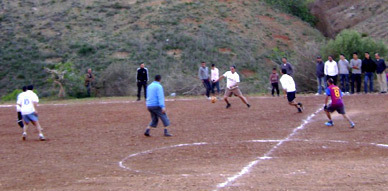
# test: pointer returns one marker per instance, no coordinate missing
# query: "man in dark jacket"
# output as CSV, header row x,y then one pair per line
x,y
320,75
287,66
369,68
142,79
381,76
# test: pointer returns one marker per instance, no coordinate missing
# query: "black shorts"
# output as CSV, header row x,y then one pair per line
x,y
291,96
339,109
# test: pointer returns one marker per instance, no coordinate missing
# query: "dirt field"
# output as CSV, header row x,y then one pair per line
x,y
100,146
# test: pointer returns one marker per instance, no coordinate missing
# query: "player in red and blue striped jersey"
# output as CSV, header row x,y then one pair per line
x,y
334,93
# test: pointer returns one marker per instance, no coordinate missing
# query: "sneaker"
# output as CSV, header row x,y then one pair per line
x,y
166,133
42,138
317,94
248,105
301,106
352,125
208,98
228,105
347,93
299,110
138,99
147,133
24,136
329,124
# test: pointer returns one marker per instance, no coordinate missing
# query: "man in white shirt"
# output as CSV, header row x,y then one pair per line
x,y
289,90
214,75
28,102
232,82
331,69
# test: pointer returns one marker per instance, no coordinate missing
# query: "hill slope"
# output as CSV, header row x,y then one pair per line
x,y
171,37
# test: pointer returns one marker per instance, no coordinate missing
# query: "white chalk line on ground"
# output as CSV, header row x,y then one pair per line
x,y
267,155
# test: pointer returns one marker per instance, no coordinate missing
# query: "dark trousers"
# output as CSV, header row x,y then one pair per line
x,y
139,86
368,77
206,84
356,78
20,120
88,88
332,77
344,78
216,85
156,113
275,86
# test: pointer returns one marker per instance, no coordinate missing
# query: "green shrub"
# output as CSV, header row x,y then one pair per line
x,y
349,41
298,8
12,96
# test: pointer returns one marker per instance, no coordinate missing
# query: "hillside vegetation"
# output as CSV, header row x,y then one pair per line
x,y
171,36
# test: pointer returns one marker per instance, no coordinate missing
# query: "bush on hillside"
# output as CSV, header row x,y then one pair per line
x,y
297,8
349,41
118,80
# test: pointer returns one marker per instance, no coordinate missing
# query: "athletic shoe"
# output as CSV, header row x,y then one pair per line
x,y
24,136
228,105
166,133
329,124
317,94
248,105
147,133
299,110
352,125
138,99
42,138
301,106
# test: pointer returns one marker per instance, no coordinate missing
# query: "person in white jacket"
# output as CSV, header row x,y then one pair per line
x,y
331,69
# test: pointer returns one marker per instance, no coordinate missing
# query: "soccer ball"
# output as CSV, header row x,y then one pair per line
x,y
213,99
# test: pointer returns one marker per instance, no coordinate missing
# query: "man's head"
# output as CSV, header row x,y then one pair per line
x,y
158,78
330,58
367,55
89,70
377,56
274,70
30,87
284,60
284,71
203,64
330,81
233,69
342,56
355,55
319,59
24,88
142,65
213,65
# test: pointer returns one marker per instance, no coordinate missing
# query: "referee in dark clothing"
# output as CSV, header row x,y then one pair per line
x,y
142,79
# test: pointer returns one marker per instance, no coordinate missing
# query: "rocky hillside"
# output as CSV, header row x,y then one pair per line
x,y
369,17
170,36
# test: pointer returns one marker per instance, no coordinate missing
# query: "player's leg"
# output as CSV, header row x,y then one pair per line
x,y
341,111
165,120
20,120
228,93
26,120
329,109
153,123
238,93
218,88
40,130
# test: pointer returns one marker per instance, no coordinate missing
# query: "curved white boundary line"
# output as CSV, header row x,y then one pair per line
x,y
267,155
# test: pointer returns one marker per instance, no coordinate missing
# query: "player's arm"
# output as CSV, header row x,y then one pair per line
x,y
235,85
220,78
35,104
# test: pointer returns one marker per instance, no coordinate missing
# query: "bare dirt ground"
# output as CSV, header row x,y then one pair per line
x,y
88,140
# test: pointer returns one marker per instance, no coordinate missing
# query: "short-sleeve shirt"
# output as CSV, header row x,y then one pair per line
x,y
335,94
231,79
214,74
26,100
288,83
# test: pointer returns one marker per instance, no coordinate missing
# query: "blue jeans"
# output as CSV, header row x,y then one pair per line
x,y
216,85
368,76
344,82
321,81
206,84
156,113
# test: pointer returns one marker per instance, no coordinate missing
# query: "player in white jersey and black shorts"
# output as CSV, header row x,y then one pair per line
x,y
28,102
289,90
232,82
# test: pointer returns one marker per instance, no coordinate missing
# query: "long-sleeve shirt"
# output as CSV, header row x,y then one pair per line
x,y
214,74
155,95
356,63
203,73
320,71
142,75
288,67
274,78
368,65
343,66
380,66
331,68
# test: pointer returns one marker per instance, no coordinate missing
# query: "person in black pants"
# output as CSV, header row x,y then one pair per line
x,y
274,79
18,109
142,79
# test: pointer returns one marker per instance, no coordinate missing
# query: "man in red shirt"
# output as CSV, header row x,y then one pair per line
x,y
335,94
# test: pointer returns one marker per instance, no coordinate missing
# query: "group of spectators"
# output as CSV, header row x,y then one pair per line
x,y
352,72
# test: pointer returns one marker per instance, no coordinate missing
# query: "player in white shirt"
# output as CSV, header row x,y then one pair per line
x,y
289,90
214,75
232,82
28,102
18,110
